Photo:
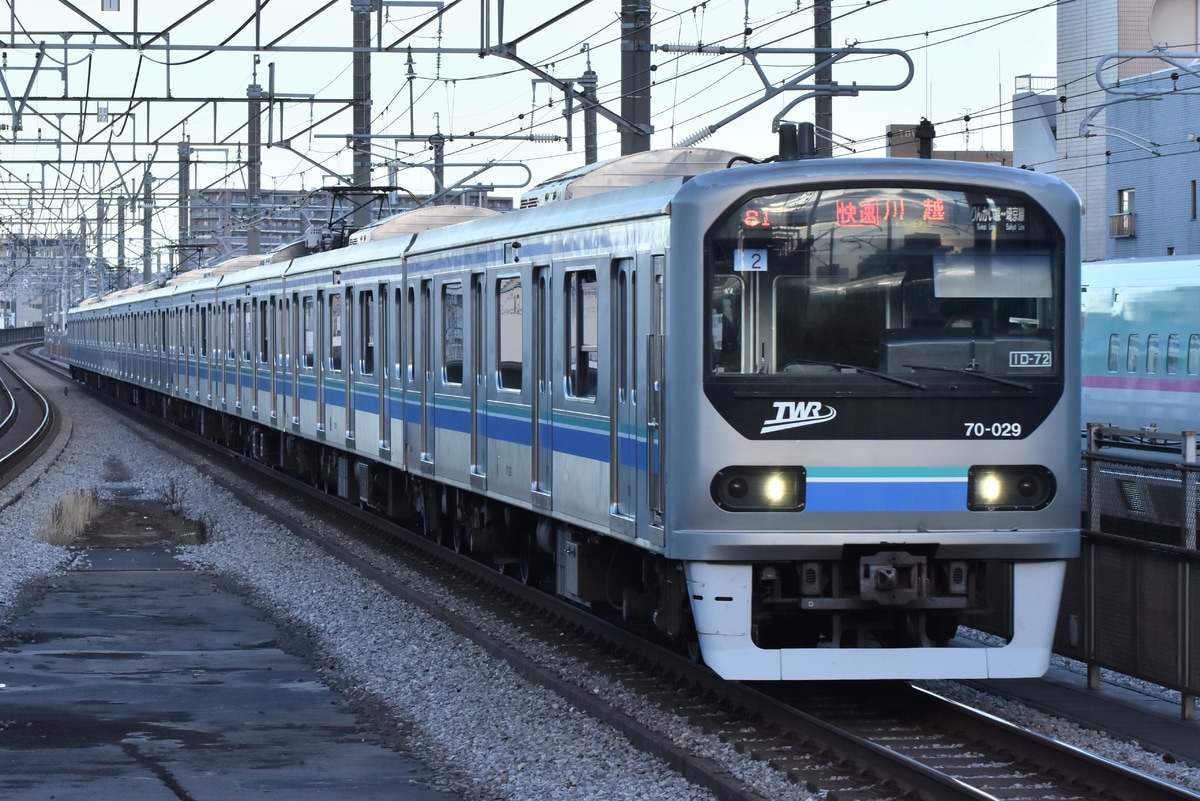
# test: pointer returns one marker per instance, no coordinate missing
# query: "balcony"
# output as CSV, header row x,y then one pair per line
x,y
1120,226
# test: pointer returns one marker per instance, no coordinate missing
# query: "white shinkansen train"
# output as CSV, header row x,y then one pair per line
x,y
1141,384
1141,344
798,413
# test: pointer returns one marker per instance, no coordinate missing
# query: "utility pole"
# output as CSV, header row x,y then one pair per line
x,y
253,167
635,74
121,279
823,110
185,191
361,141
147,215
101,266
437,143
83,266
590,146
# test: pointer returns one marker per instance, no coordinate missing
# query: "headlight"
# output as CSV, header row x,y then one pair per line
x,y
759,489
1009,488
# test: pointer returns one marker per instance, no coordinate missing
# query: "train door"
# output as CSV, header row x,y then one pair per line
x,y
218,345
274,349
319,359
283,358
543,396
654,412
229,341
175,332
209,325
260,386
165,363
350,356
425,371
378,346
191,365
246,368
623,420
394,418
408,361
302,326
479,390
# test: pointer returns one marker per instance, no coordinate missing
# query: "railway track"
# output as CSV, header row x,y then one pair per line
x,y
860,741
28,417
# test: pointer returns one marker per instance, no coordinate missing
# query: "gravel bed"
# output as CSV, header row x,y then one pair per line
x,y
487,732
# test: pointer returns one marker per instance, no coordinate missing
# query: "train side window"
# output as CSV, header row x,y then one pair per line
x,y
410,326
1114,352
509,332
725,321
582,318
452,333
1133,353
366,331
1172,354
1152,353
231,313
264,333
310,340
204,331
1193,357
335,332
398,327
247,329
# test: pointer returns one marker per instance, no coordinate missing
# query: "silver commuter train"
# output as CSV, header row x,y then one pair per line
x,y
793,412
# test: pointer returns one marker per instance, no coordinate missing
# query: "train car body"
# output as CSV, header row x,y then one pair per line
x,y
798,414
1141,344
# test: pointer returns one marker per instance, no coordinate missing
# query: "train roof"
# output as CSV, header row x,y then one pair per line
x,y
635,169
607,208
1154,271
417,220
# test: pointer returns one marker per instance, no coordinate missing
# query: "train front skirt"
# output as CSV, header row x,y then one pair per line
x,y
721,600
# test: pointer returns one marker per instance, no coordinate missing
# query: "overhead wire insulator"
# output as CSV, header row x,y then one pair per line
x,y
699,136
694,48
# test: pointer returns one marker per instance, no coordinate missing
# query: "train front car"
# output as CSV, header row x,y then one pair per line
x,y
883,428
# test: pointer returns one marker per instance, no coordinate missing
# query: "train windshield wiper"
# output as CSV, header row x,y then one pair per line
x,y
866,370
973,373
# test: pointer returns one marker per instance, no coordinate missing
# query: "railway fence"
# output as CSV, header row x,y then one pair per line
x,y
21,334
1129,599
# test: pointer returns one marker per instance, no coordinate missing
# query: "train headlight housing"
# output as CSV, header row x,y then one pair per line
x,y
1006,488
759,489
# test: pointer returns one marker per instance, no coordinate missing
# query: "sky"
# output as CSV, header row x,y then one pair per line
x,y
965,54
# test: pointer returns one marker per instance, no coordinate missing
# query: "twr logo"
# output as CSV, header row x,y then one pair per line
x,y
794,414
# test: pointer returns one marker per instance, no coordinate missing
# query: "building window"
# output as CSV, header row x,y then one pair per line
x,y
1120,225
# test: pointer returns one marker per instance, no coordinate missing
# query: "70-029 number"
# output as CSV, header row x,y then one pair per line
x,y
993,429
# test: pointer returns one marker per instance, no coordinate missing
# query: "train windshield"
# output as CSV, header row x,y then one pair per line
x,y
906,283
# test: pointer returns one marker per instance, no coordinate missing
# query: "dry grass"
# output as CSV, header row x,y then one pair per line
x,y
70,517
